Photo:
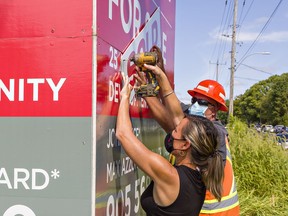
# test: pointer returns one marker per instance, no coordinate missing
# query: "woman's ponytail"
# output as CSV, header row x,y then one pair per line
x,y
204,141
213,175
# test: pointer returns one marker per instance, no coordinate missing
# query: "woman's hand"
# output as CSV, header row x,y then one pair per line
x,y
156,70
140,77
127,88
160,62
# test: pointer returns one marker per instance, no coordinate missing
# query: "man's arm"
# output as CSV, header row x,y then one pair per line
x,y
172,104
160,114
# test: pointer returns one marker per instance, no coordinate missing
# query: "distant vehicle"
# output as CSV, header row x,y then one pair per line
x,y
267,128
258,129
282,140
278,128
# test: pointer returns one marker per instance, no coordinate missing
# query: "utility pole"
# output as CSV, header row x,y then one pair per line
x,y
233,58
217,68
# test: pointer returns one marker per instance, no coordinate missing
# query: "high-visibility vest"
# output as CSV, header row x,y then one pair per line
x,y
229,204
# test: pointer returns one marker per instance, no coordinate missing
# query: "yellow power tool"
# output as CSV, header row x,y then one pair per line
x,y
151,88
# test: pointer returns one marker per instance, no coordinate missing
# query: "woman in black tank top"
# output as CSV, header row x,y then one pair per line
x,y
175,189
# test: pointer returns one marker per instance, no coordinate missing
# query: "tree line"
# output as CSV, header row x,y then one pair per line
x,y
266,102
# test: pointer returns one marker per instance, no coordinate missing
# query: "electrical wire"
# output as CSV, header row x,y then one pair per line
x,y
219,32
259,35
242,9
221,42
257,69
240,23
247,78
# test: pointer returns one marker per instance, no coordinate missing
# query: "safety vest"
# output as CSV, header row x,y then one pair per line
x,y
229,204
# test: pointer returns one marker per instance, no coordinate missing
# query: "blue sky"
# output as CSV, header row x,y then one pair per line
x,y
199,43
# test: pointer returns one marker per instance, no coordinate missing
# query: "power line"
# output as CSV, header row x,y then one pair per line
x,y
242,9
257,69
220,30
217,68
262,30
221,43
241,21
247,78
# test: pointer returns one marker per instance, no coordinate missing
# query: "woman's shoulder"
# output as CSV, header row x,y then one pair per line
x,y
192,174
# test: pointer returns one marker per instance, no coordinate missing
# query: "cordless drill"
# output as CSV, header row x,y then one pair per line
x,y
151,88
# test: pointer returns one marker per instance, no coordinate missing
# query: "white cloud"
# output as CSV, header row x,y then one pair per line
x,y
249,31
280,36
254,24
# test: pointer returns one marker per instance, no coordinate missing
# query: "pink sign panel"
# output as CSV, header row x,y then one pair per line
x,y
125,28
45,58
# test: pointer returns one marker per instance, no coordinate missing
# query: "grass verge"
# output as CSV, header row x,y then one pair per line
x,y
261,171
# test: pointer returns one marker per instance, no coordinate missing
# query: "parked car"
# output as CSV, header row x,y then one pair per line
x,y
282,140
257,127
267,128
278,128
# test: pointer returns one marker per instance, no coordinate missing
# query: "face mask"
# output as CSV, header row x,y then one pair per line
x,y
197,109
168,142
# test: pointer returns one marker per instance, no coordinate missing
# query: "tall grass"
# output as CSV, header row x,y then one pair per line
x,y
261,171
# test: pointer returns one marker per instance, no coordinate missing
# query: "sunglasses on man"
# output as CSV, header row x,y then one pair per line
x,y
202,102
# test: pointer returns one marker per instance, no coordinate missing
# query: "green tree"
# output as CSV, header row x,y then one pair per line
x,y
276,103
264,102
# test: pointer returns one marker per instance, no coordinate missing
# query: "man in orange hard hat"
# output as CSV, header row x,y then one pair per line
x,y
208,97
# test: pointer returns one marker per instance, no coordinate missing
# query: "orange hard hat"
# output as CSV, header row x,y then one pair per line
x,y
213,90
